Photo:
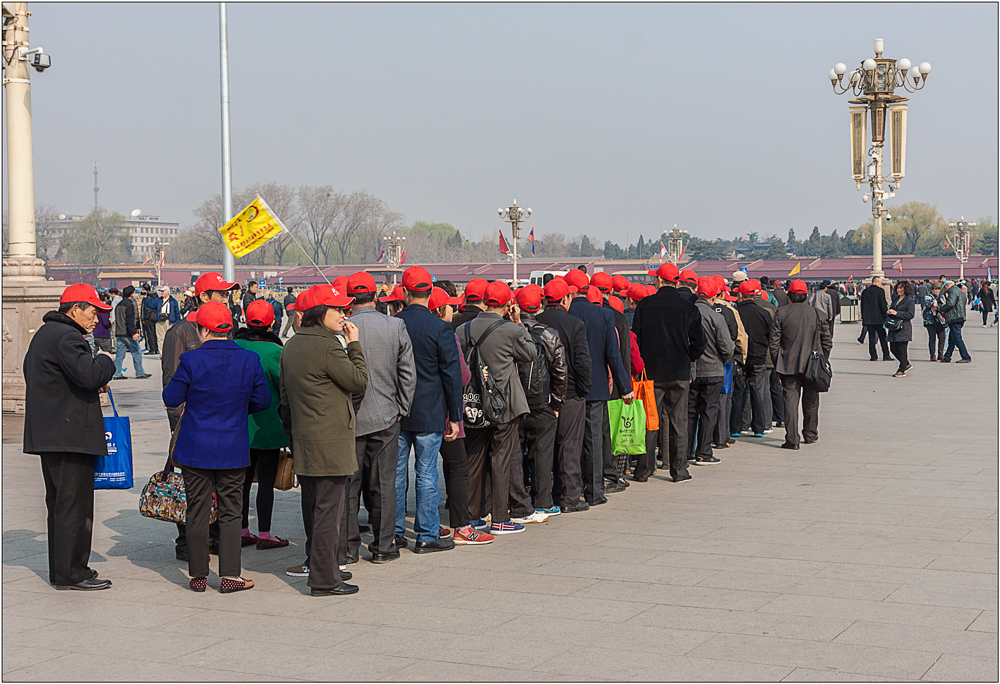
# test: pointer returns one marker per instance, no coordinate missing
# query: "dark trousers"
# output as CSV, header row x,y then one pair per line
x,y
876,331
672,405
936,333
149,334
519,500
592,463
376,477
722,425
898,350
754,384
265,463
227,485
538,429
704,397
69,501
955,340
174,418
567,479
455,464
795,387
491,449
328,496
777,401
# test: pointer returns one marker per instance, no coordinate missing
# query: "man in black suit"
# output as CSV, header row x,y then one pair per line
x,y
874,311
473,303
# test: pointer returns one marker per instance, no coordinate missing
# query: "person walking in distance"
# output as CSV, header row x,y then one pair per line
x,y
149,309
286,302
799,330
706,388
168,313
988,300
953,308
902,309
874,311
127,335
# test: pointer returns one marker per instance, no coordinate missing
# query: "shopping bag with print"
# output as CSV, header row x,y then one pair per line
x,y
114,471
628,427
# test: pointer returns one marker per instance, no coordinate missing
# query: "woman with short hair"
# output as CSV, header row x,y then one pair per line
x,y
901,309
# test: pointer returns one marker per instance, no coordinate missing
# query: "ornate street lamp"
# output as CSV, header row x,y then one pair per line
x,y
961,242
394,251
514,215
675,244
873,84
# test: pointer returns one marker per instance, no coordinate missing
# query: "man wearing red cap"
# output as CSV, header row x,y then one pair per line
x,y
687,283
799,330
63,426
436,400
474,291
739,337
756,379
670,337
706,388
572,416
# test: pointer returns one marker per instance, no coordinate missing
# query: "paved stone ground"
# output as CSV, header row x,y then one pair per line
x,y
871,555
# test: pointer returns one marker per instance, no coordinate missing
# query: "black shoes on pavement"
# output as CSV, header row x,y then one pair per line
x,y
578,507
92,584
401,542
344,589
432,546
786,445
379,557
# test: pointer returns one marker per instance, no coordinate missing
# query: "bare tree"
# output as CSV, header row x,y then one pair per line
x,y
381,221
321,207
284,204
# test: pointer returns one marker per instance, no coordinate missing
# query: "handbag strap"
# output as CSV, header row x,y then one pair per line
x,y
168,467
819,322
112,398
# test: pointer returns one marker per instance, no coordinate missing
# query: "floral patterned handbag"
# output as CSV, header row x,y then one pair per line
x,y
163,497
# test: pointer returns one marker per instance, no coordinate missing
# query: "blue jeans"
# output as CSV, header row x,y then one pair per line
x,y
128,344
427,519
955,340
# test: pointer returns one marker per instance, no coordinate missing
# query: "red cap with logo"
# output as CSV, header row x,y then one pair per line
x,y
602,281
475,289
668,272
82,292
212,281
620,283
439,297
497,293
260,313
798,287
530,298
637,291
750,286
707,287
417,279
689,276
395,296
215,317
322,295
578,279
361,283
556,290
616,304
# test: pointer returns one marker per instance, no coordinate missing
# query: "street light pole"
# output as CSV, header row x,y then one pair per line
x,y
873,84
675,244
514,215
961,242
394,251
228,260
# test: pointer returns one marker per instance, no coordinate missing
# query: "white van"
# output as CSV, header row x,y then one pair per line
x,y
537,277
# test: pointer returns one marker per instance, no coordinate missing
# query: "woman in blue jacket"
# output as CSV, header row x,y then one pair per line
x,y
219,385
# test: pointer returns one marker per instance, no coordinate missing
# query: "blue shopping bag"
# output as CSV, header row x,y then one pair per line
x,y
114,471
727,379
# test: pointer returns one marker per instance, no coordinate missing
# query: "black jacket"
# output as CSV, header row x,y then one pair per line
x,y
780,294
181,337
62,406
125,318
555,360
687,295
835,298
471,311
575,347
668,330
873,306
757,322
622,327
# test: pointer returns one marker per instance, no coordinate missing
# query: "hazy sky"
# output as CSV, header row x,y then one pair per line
x,y
603,118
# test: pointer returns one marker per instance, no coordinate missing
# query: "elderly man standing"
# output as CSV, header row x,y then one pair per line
x,y
63,425
874,311
169,312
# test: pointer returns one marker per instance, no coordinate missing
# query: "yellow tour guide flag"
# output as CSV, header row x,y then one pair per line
x,y
251,228
796,269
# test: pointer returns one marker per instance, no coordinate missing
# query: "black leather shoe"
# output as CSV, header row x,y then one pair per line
x,y
622,482
602,500
93,573
810,441
181,555
401,542
640,479
379,557
786,445
578,507
432,546
351,560
92,584
681,478
343,590
612,487
344,575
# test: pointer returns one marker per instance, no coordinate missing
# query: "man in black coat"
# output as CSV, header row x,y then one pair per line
x,y
473,303
755,383
64,426
874,311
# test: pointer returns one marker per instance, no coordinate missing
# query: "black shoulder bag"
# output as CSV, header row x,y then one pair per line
x,y
819,373
485,403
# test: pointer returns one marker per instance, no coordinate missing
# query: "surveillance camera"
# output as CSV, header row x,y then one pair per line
x,y
40,61
888,216
864,197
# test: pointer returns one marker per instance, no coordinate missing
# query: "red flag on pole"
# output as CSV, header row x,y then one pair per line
x,y
504,248
402,256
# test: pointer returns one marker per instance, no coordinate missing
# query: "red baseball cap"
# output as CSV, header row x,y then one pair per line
x,y
340,282
212,281
216,317
82,292
798,287
475,289
751,286
651,290
530,298
360,283
578,279
260,313
720,283
556,290
668,272
417,279
439,298
689,276
595,296
619,283
707,287
497,293
326,295
395,296
637,291
602,281
616,304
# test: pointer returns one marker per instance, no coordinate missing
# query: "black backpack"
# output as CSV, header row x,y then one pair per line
x,y
485,404
535,374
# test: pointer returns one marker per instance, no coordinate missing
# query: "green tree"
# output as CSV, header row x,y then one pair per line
x,y
100,238
916,228
612,250
777,250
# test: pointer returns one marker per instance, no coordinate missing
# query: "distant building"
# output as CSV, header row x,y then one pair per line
x,y
144,230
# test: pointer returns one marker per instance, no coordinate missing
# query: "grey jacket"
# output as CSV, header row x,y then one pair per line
x,y
954,305
798,330
506,346
822,301
720,343
905,310
392,374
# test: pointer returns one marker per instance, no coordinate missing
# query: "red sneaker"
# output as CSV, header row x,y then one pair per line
x,y
468,535
445,533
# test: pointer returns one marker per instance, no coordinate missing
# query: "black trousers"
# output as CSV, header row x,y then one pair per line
x,y
567,481
518,499
594,459
149,334
265,462
227,484
672,405
721,435
538,429
455,464
376,477
936,333
754,384
174,417
795,387
898,350
491,449
703,414
328,496
876,331
69,502
777,401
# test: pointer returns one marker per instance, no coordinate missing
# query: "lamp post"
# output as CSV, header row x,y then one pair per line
x,y
675,244
961,242
514,215
873,84
394,251
228,260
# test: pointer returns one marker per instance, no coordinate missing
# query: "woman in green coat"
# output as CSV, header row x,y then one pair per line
x,y
267,437
321,367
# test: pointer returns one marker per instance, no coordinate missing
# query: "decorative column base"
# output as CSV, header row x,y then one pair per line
x,y
27,296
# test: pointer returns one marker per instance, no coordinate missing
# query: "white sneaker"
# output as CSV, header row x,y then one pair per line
x,y
769,430
535,517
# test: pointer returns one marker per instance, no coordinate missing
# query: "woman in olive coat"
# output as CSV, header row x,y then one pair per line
x,y
321,367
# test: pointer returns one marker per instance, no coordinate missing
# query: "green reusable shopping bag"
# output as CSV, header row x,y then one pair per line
x,y
628,427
